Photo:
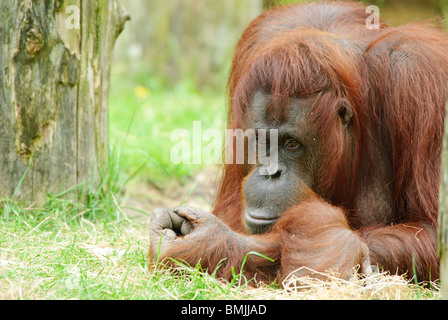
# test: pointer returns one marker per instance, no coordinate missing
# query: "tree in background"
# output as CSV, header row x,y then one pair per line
x,y
55,59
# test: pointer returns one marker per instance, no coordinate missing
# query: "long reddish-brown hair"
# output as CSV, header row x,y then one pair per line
x,y
396,96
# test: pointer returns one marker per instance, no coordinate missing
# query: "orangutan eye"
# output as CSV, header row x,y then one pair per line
x,y
293,145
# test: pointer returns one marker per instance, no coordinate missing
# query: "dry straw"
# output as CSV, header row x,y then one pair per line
x,y
376,286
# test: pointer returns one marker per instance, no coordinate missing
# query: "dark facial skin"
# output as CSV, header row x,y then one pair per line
x,y
269,193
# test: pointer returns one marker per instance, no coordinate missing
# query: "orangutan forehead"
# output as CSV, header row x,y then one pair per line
x,y
267,110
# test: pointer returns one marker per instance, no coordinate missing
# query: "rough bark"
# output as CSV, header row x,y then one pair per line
x,y
54,79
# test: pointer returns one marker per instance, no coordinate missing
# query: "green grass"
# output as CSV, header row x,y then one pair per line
x,y
55,253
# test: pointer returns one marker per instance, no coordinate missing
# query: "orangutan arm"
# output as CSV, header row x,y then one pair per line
x,y
313,235
409,248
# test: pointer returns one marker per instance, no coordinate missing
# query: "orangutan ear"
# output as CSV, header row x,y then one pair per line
x,y
345,113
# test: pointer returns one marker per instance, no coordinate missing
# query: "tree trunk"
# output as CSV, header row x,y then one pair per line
x,y
443,214
54,78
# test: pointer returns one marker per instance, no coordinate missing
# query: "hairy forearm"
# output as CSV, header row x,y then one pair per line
x,y
228,250
404,248
316,235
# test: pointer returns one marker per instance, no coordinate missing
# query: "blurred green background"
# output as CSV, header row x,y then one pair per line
x,y
170,68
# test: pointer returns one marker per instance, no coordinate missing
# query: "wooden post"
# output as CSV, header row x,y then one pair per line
x,y
443,214
55,59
